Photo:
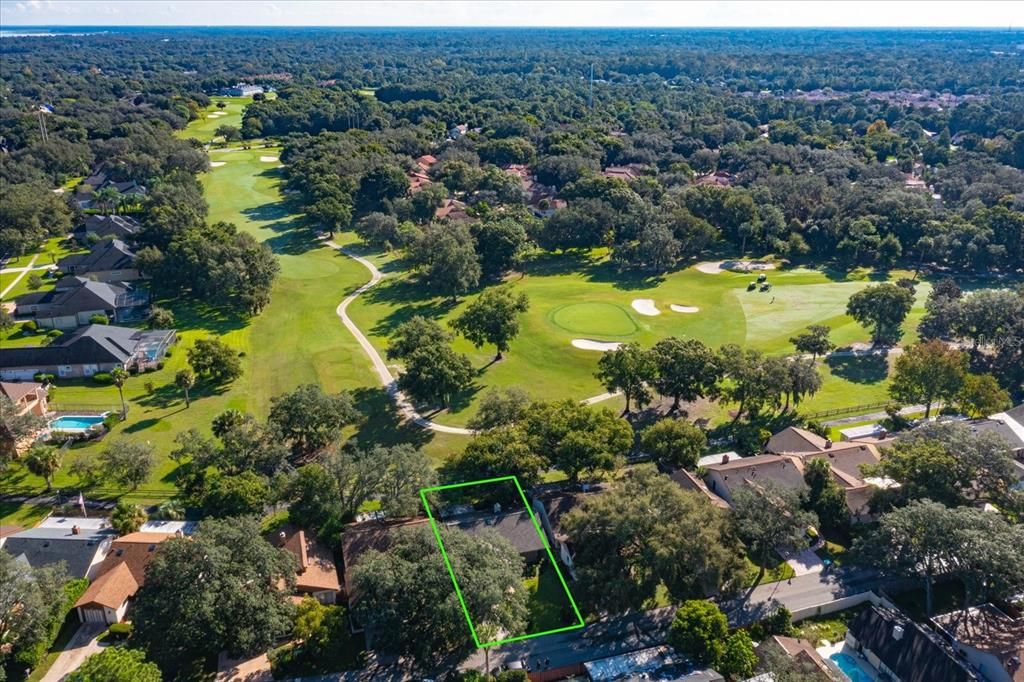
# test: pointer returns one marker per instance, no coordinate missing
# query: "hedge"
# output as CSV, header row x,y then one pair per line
x,y
31,656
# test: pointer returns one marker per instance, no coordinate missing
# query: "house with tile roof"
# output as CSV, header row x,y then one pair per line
x,y
316,574
989,638
802,652
28,397
118,578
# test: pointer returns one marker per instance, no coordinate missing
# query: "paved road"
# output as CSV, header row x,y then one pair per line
x,y
634,631
910,409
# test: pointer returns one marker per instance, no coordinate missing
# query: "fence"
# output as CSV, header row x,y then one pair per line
x,y
841,604
851,409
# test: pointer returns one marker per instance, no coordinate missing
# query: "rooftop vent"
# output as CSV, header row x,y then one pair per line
x,y
897,632
828,443
75,530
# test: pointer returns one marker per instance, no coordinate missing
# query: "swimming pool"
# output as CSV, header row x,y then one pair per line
x,y
75,422
848,664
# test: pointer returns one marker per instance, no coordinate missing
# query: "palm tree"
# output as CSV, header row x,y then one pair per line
x,y
119,377
185,379
44,460
127,518
107,198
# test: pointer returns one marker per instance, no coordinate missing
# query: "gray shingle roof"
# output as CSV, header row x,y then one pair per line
x,y
49,546
919,655
516,527
92,344
67,300
110,254
109,226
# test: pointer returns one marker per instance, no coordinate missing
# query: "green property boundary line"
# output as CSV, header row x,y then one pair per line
x,y
448,564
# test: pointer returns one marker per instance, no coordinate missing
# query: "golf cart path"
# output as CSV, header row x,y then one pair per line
x,y
383,373
24,271
387,379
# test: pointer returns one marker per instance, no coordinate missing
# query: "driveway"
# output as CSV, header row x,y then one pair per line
x,y
83,644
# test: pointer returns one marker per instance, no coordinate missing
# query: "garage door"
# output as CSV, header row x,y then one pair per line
x,y
18,374
93,615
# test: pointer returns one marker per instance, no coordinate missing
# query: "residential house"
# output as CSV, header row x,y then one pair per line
x,y
81,550
118,578
516,527
654,663
28,397
108,261
91,349
108,226
452,209
417,181
628,172
1009,425
803,654
359,538
7,531
692,483
550,508
725,478
75,301
85,193
540,199
901,649
991,640
241,90
317,575
457,131
717,179
845,460
426,162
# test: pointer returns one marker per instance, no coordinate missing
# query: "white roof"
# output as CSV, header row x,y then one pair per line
x,y
717,458
863,431
102,523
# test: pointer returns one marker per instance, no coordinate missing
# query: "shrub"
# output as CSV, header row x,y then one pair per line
x,y
34,281
150,388
160,364
43,378
111,420
30,327
99,318
102,378
71,591
54,333
119,631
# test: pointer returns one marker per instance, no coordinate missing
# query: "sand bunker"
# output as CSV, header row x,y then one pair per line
x,y
645,306
269,159
217,114
216,164
713,268
684,308
590,344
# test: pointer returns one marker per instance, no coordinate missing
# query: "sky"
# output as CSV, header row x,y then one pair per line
x,y
565,13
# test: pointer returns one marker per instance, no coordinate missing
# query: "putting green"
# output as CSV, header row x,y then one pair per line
x,y
596,319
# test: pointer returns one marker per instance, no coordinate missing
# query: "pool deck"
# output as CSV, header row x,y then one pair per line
x,y
828,651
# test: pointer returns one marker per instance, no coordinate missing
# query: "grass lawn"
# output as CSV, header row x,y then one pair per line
x,y
583,297
24,515
296,339
203,127
549,605
49,253
831,628
775,570
834,552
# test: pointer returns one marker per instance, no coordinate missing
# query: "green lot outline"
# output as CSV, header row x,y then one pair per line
x,y
455,582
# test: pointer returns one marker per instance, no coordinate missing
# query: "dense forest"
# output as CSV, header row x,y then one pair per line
x,y
871,148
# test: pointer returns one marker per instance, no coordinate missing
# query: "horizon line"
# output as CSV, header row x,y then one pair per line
x,y
537,27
